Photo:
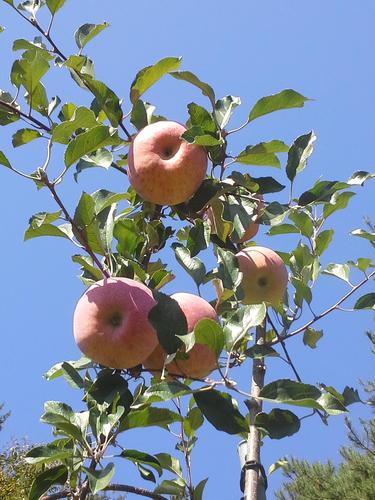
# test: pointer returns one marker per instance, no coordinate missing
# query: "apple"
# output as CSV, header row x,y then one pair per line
x,y
163,168
265,276
252,228
111,324
201,358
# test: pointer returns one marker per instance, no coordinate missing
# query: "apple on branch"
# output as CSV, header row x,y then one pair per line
x,y
163,168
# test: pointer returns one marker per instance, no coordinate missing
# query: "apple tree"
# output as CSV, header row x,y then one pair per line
x,y
124,235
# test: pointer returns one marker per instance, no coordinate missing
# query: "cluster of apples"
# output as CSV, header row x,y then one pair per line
x,y
111,324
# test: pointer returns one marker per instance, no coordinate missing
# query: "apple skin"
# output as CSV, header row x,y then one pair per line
x,y
111,324
202,359
265,277
163,168
253,227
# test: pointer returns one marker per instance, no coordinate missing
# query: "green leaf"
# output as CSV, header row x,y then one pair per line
x,y
323,241
320,192
220,409
228,270
299,153
240,322
197,135
40,225
311,337
169,321
164,391
139,457
99,479
46,479
4,160
48,453
37,44
8,116
82,118
338,201
146,77
100,158
89,141
193,420
189,77
276,465
192,265
201,118
210,333
278,423
198,238
88,268
149,417
291,392
106,99
55,5
262,154
224,108
351,396
56,370
282,229
29,70
87,224
110,388
283,100
198,490
366,302
169,487
331,404
339,270
141,114
72,375
24,135
261,351
128,236
87,32
364,234
360,177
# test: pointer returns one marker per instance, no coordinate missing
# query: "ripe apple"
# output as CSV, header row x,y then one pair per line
x,y
265,276
201,358
251,230
163,168
111,324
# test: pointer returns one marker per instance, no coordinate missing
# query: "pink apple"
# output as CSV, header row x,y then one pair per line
x,y
163,168
265,276
201,358
111,323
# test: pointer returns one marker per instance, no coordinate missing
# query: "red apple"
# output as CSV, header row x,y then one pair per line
x,y
201,358
163,168
265,276
111,324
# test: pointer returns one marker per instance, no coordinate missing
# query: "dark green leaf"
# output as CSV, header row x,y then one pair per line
x,y
72,375
139,457
149,417
56,370
46,479
142,114
240,322
338,201
366,302
290,392
261,351
228,270
8,116
24,135
128,236
351,396
168,320
198,490
146,77
192,265
109,388
99,479
320,192
169,487
299,153
221,411
262,154
193,420
164,391
278,423
283,100
282,229
48,453
189,77
85,221
106,99
198,237
331,404
197,135
87,32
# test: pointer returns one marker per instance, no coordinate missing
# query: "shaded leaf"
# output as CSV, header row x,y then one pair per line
x,y
366,302
278,423
99,479
87,32
149,417
46,479
210,333
339,270
291,392
224,108
192,265
220,409
299,153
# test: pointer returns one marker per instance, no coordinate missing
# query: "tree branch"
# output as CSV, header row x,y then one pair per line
x,y
112,487
324,313
16,111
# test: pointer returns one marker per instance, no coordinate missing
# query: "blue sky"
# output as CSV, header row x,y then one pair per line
x,y
248,49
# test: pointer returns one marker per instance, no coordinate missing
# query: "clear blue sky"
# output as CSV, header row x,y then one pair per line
x,y
245,48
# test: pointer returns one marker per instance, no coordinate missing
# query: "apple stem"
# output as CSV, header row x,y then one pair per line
x,y
254,484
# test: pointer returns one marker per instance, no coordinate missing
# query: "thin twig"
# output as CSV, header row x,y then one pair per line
x,y
324,313
20,113
112,487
